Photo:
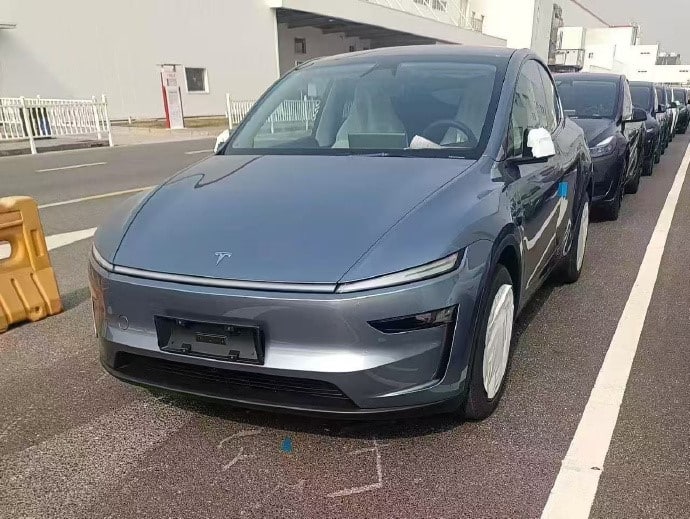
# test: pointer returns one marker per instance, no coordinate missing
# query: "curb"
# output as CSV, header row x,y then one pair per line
x,y
57,147
188,132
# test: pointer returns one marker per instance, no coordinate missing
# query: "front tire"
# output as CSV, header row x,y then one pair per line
x,y
634,183
611,210
492,348
648,167
571,266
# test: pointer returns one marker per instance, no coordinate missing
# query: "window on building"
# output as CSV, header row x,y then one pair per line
x,y
439,5
197,79
645,53
300,45
590,55
352,48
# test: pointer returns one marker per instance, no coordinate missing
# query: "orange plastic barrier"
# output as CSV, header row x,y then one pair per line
x,y
28,289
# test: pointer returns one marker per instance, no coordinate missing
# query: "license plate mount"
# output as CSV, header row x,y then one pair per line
x,y
218,341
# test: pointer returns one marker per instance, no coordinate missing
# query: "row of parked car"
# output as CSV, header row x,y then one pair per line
x,y
628,126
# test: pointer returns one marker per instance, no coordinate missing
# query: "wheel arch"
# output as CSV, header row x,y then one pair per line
x,y
507,253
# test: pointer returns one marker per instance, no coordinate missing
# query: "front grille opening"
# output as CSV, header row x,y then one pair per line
x,y
230,384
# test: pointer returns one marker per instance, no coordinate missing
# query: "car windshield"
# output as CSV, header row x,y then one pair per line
x,y
408,108
680,95
588,98
641,96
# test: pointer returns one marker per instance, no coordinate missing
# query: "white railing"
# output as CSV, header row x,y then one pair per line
x,y
23,118
452,12
290,111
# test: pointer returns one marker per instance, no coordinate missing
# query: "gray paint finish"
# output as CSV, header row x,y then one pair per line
x,y
290,219
303,218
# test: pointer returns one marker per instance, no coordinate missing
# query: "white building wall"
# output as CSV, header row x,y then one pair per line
x,y
541,27
572,37
76,48
527,23
619,36
318,44
675,74
512,20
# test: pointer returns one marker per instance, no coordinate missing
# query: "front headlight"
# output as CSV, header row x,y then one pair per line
x,y
605,147
429,270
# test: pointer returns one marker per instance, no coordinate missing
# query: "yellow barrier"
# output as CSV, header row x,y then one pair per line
x,y
28,289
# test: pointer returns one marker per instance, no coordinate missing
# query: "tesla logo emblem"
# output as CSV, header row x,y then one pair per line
x,y
220,256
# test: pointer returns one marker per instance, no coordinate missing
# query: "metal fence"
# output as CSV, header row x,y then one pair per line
x,y
23,118
289,111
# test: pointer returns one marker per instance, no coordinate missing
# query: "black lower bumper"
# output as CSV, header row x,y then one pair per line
x,y
255,391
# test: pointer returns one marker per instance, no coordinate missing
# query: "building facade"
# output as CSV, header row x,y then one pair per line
x,y
80,48
618,50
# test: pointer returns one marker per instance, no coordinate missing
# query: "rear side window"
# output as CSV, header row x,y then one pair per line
x,y
627,101
641,96
553,111
661,95
680,95
530,107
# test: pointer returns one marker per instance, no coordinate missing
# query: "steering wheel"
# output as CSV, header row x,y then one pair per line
x,y
451,123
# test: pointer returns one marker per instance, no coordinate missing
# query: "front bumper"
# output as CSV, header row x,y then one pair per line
x,y
321,355
608,174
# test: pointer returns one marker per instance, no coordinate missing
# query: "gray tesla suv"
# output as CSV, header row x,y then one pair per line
x,y
360,246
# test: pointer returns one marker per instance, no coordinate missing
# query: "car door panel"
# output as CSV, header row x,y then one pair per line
x,y
566,159
537,183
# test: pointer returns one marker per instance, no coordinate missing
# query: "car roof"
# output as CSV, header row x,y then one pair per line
x,y
643,83
447,52
590,75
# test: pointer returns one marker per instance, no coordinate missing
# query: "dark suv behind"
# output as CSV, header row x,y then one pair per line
x,y
644,96
601,104
680,95
664,117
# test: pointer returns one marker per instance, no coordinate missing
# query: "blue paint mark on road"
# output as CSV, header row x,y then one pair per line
x,y
286,445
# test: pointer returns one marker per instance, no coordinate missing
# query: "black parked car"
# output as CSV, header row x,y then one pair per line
x,y
601,104
672,108
664,117
680,96
644,96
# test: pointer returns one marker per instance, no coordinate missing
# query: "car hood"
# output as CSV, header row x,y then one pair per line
x,y
595,130
292,219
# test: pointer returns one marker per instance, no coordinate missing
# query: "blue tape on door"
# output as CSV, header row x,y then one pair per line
x,y
563,190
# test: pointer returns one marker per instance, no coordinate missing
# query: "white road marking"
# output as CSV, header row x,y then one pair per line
x,y
66,475
365,488
197,152
75,166
576,485
241,434
55,241
239,457
96,197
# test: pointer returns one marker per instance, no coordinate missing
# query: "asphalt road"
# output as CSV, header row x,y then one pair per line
x,y
75,442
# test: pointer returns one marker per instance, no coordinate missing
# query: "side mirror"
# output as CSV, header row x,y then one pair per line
x,y
638,115
540,143
537,148
221,140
